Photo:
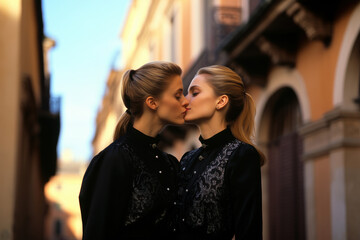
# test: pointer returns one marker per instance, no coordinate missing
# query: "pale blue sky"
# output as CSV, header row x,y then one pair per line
x,y
87,36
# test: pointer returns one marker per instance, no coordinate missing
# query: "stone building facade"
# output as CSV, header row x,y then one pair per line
x,y
300,62
29,122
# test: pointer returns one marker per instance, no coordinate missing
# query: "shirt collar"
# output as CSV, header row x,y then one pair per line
x,y
218,139
140,139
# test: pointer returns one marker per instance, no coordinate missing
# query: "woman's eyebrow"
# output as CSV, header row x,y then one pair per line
x,y
192,88
180,90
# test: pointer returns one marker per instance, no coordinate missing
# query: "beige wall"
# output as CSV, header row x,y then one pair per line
x,y
10,13
228,3
105,136
197,30
111,109
322,180
131,53
352,168
29,60
317,63
21,183
186,40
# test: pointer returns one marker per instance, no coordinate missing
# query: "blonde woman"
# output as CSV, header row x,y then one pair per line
x,y
129,187
220,183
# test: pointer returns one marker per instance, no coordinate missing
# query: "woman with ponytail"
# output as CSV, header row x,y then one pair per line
x,y
129,188
220,183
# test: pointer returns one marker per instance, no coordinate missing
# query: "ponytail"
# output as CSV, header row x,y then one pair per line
x,y
122,125
243,126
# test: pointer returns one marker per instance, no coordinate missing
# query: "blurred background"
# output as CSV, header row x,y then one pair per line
x,y
61,65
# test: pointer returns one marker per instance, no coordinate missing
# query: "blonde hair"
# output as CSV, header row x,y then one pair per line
x,y
150,79
241,112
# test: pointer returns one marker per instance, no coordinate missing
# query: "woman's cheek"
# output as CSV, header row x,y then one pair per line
x,y
177,105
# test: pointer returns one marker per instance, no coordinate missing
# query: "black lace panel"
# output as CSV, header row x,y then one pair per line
x,y
207,208
146,190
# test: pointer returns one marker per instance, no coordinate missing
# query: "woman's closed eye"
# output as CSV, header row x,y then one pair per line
x,y
194,91
179,94
194,94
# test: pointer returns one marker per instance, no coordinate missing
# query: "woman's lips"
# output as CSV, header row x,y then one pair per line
x,y
184,113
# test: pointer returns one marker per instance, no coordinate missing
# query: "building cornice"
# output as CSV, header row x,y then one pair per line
x,y
337,129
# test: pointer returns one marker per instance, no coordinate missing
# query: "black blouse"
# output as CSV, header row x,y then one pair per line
x,y
220,191
128,190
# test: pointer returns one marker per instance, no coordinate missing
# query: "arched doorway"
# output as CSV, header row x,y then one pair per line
x,y
285,166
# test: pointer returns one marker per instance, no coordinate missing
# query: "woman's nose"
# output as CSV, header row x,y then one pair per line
x,y
185,102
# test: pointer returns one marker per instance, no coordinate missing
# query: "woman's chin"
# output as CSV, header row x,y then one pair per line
x,y
188,119
178,122
181,122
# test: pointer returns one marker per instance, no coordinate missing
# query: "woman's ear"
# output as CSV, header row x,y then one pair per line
x,y
151,103
222,102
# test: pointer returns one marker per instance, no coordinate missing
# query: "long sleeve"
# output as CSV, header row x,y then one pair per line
x,y
244,178
105,194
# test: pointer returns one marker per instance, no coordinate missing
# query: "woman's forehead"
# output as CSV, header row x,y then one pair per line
x,y
199,80
176,83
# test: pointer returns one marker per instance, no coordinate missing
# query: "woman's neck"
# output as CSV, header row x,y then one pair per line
x,y
148,125
211,127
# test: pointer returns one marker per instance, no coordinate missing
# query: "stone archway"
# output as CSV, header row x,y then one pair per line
x,y
285,190
279,78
